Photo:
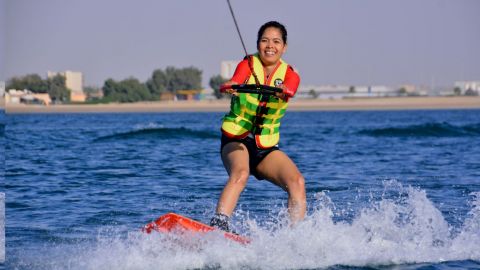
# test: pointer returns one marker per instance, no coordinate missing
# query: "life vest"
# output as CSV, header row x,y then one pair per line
x,y
257,114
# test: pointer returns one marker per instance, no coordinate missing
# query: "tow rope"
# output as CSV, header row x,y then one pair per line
x,y
250,64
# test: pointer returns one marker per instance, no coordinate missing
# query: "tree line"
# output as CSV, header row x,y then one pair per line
x,y
131,89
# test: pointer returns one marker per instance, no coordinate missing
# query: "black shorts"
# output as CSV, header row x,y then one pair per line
x,y
255,154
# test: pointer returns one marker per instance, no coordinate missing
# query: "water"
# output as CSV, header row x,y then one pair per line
x,y
385,190
2,181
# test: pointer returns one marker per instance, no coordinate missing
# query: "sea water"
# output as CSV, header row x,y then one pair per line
x,y
385,190
2,189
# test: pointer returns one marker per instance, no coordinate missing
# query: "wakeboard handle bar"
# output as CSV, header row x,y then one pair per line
x,y
256,89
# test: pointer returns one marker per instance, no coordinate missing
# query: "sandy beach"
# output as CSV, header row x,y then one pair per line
x,y
392,103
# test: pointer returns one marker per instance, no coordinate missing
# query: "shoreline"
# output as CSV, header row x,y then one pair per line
x,y
348,104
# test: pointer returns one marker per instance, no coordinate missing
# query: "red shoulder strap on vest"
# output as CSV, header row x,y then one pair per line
x,y
250,65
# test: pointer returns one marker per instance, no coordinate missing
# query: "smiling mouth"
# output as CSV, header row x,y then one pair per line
x,y
269,53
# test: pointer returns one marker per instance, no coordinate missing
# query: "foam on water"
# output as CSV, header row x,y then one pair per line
x,y
399,229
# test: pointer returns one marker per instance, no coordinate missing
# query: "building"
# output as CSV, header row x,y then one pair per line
x,y
227,68
14,96
2,88
465,86
343,91
189,94
73,79
74,82
2,94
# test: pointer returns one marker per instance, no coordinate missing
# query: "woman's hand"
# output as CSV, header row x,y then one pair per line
x,y
227,88
282,95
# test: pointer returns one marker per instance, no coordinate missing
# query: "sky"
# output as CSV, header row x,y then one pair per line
x,y
347,42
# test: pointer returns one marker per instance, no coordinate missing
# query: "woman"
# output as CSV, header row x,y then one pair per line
x,y
250,131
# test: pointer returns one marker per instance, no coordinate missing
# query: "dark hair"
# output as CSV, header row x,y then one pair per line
x,y
274,24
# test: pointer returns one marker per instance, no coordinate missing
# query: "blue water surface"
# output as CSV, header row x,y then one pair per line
x,y
2,188
385,190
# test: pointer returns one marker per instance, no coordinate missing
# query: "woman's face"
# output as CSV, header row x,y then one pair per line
x,y
271,46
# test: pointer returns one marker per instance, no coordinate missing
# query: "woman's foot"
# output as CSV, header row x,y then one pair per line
x,y
221,221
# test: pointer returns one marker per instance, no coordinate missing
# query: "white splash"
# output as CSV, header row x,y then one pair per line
x,y
408,229
150,125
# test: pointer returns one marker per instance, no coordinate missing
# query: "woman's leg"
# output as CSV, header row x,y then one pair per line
x,y
235,159
279,169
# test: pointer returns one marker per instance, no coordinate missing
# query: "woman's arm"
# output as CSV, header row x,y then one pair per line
x,y
241,74
291,82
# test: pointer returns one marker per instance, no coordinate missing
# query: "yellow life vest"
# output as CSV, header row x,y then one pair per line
x,y
257,114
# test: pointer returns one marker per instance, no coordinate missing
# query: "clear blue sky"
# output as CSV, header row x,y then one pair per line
x,y
330,41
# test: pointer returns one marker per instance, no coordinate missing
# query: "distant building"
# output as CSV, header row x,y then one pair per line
x,y
2,88
14,96
411,90
74,82
42,98
73,79
189,94
343,91
2,94
227,68
468,86
96,94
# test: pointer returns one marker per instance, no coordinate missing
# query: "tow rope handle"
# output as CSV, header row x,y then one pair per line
x,y
253,89
256,89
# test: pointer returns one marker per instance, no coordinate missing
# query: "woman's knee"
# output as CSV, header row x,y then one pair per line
x,y
296,184
239,176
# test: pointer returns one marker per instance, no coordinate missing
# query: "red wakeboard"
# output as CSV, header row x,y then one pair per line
x,y
172,221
